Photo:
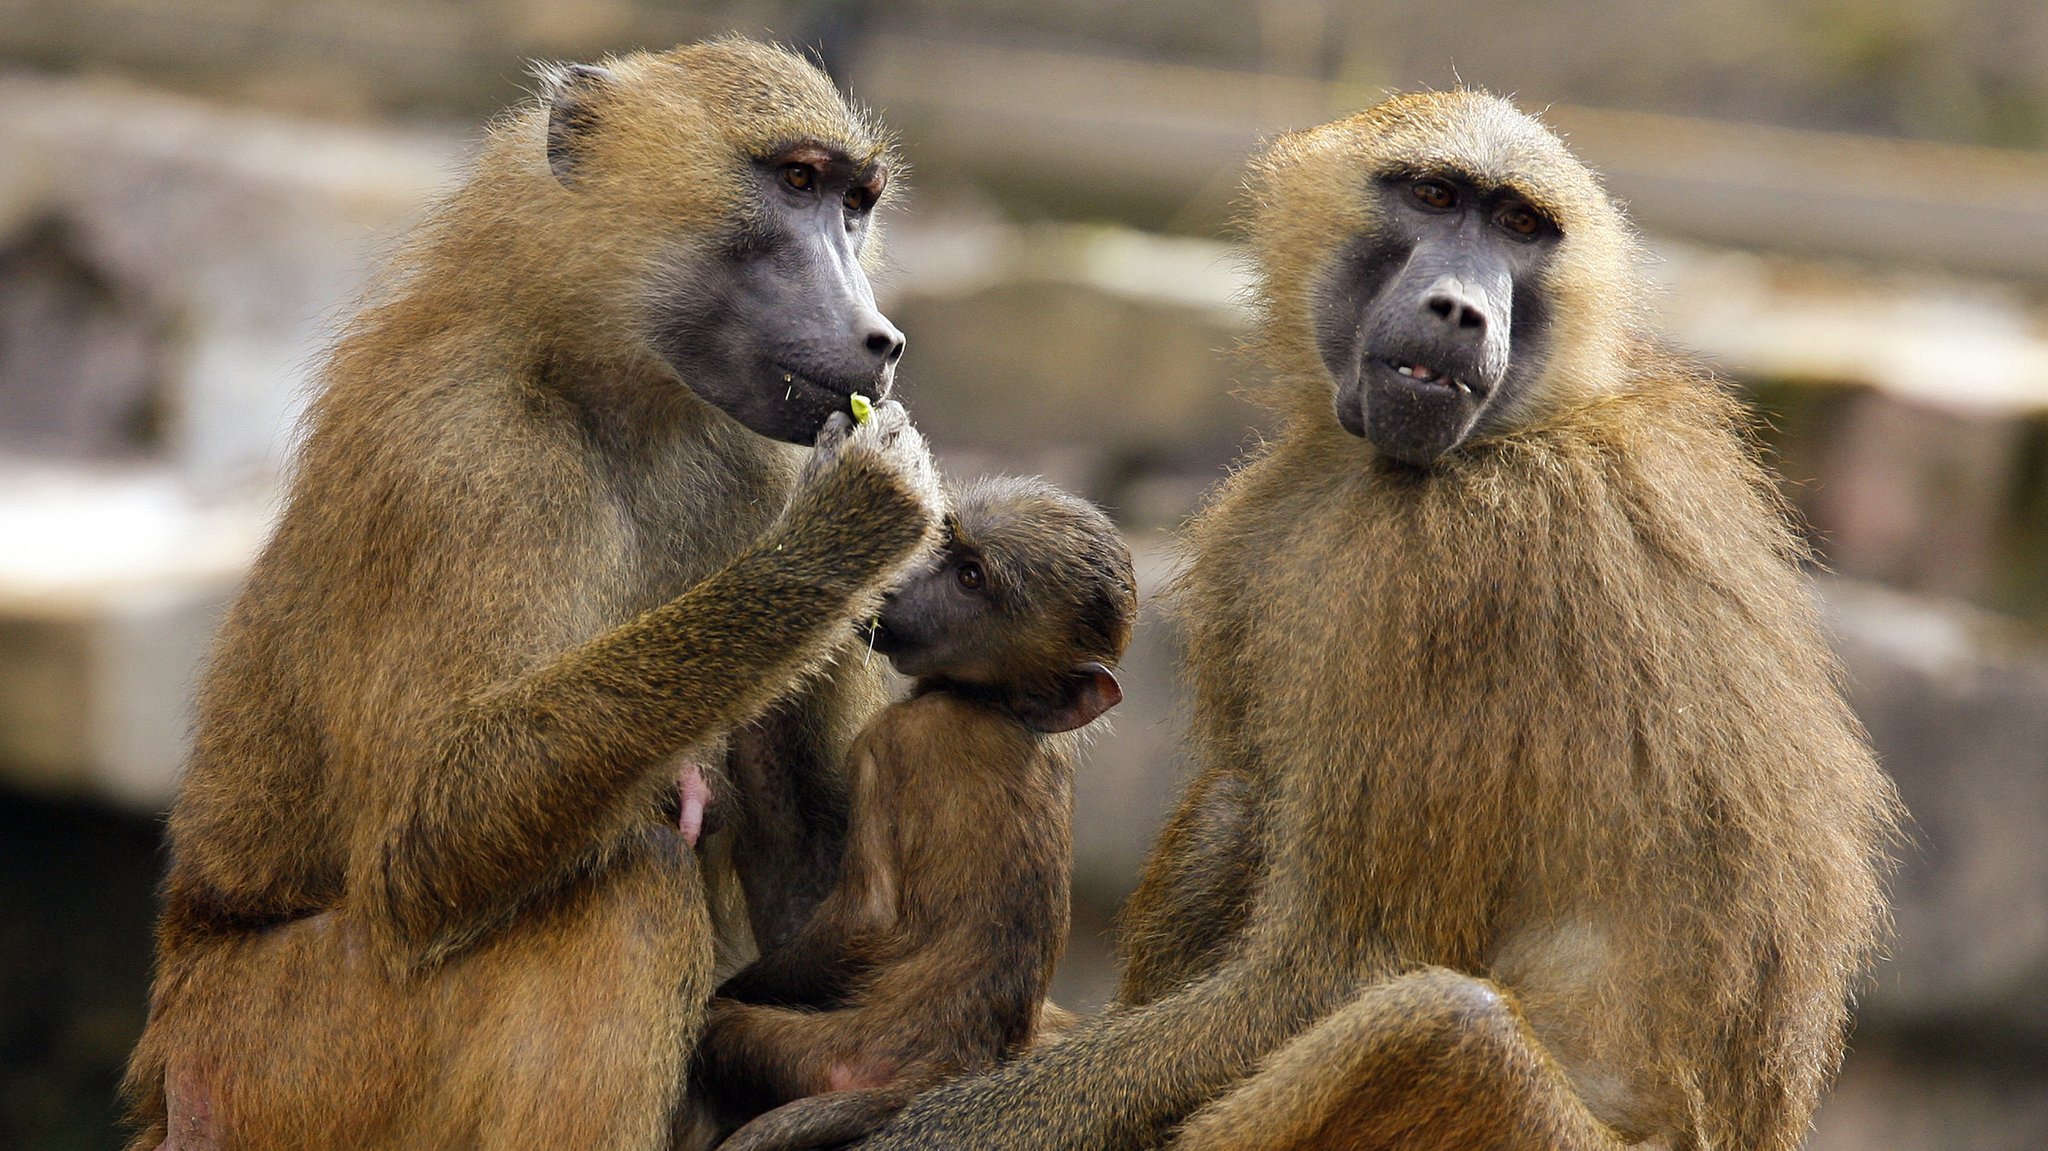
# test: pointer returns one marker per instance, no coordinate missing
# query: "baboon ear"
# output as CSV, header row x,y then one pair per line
x,y
1089,691
573,92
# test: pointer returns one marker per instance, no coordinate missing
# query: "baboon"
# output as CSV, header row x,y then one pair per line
x,y
1529,814
554,538
932,956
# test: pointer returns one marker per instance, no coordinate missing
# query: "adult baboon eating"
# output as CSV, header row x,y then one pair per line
x,y
556,536
1528,811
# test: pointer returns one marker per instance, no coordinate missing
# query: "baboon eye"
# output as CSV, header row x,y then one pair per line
x,y
1519,219
859,199
970,575
802,177
1435,193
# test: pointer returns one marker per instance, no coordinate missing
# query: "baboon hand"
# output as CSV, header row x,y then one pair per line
x,y
889,433
889,438
830,445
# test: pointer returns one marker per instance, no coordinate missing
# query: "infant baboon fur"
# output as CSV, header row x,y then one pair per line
x,y
1529,813
932,956
548,541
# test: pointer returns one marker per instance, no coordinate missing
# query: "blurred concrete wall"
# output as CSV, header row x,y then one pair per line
x,y
1969,71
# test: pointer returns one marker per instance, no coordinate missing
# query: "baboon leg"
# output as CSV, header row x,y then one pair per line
x,y
1430,1061
570,1028
585,1025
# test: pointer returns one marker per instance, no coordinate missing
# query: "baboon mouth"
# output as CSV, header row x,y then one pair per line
x,y
1424,374
794,381
834,393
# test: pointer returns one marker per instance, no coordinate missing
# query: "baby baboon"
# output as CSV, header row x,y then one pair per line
x,y
555,535
932,956
1529,812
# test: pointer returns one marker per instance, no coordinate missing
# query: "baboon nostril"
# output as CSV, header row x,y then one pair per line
x,y
1452,310
886,343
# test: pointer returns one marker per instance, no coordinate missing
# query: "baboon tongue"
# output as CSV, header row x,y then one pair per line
x,y
695,794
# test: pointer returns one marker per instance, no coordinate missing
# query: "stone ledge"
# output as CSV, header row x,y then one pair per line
x,y
1956,702
110,589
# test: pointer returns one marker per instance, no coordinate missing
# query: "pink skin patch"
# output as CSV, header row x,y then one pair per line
x,y
695,793
192,1124
850,1075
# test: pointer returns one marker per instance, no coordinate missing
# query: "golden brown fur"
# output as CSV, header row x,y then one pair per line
x,y
952,901
1530,814
933,954
422,892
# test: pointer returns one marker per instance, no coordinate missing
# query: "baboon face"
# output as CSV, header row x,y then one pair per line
x,y
782,327
1033,593
730,191
949,619
1431,324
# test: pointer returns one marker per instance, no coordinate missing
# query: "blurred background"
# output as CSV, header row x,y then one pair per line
x,y
1847,201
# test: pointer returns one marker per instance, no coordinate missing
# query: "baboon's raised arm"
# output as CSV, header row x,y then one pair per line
x,y
525,779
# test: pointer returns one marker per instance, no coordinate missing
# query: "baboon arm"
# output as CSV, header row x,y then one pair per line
x,y
1428,1061
1197,888
532,777
1123,1078
818,963
768,1055
827,1120
816,967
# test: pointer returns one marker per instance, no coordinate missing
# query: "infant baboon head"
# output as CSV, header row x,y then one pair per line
x,y
1030,601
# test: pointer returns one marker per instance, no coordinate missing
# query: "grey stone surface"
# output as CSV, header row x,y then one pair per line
x,y
181,262
1957,707
1134,386
95,696
1967,70
1917,496
1893,1099
1133,768
100,343
247,231
1163,144
111,582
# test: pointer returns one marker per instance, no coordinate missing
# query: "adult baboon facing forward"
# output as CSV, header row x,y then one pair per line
x,y
548,539
1529,814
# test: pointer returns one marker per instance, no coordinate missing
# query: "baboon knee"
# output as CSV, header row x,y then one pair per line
x,y
1439,1013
